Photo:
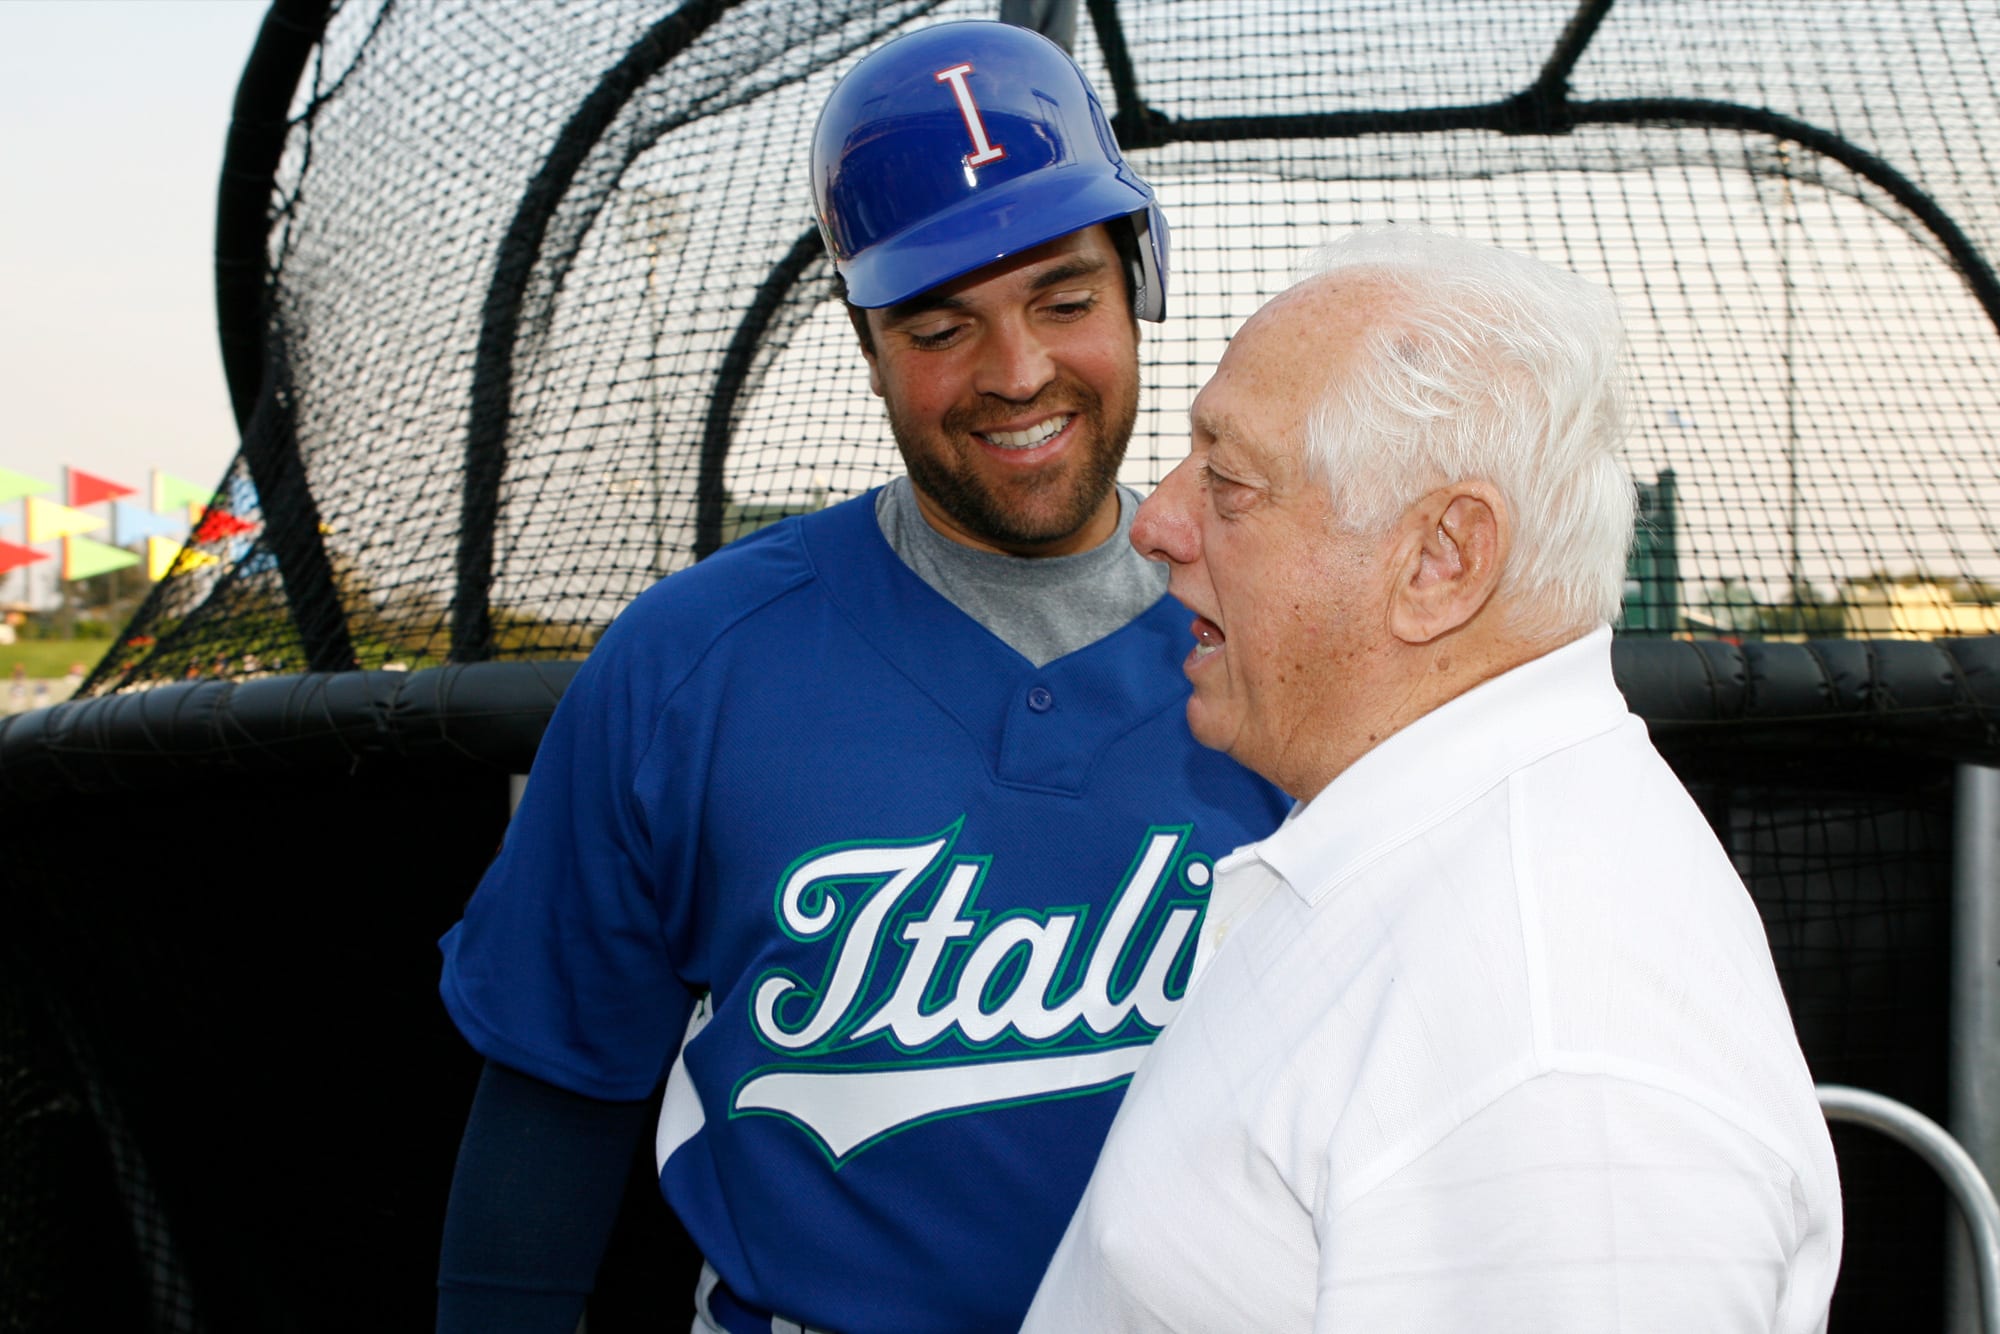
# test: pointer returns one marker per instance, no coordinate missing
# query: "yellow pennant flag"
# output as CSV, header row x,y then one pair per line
x,y
165,556
47,520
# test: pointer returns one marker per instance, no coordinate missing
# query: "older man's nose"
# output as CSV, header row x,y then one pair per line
x,y
1164,527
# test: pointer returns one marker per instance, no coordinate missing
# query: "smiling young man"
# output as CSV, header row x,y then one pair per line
x,y
1012,394
878,836
1486,1036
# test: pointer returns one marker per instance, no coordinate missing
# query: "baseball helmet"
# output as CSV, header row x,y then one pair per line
x,y
961,144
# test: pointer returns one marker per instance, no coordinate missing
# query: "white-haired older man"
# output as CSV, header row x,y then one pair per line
x,y
1486,1036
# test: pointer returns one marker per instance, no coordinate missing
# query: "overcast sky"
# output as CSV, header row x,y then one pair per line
x,y
113,115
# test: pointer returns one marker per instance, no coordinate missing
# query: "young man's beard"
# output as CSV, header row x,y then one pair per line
x,y
1042,507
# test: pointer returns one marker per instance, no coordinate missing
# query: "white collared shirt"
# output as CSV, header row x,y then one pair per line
x,y
1485,1037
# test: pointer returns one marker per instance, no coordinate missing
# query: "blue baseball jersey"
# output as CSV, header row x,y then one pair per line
x,y
898,910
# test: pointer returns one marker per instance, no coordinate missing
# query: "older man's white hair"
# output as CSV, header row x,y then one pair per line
x,y
1487,365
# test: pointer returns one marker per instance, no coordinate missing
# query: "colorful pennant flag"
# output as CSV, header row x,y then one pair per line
x,y
171,493
13,557
165,556
87,488
48,520
131,522
218,524
14,485
83,558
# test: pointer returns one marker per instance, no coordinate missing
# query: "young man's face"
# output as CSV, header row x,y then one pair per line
x,y
1012,392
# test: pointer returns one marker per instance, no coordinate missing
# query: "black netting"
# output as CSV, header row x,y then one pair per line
x,y
1850,866
229,1098
546,318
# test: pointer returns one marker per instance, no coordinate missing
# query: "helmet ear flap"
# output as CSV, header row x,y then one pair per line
x,y
1148,263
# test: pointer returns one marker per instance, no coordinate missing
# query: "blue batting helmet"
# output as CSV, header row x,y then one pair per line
x,y
960,144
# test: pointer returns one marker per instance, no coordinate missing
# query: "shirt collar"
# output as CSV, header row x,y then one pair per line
x,y
1441,762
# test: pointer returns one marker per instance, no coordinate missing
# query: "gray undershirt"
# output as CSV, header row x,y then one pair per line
x,y
1041,607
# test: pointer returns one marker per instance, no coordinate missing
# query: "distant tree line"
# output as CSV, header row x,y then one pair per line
x,y
1733,605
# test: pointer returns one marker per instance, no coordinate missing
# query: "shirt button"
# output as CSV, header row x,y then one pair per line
x,y
1040,700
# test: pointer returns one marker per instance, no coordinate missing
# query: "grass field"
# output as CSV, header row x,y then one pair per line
x,y
48,659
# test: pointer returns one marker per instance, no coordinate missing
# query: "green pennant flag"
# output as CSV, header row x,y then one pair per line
x,y
82,558
14,485
171,493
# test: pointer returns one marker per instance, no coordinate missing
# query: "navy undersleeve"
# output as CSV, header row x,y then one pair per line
x,y
540,1174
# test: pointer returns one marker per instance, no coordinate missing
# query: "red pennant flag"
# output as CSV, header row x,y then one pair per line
x,y
218,524
88,488
13,557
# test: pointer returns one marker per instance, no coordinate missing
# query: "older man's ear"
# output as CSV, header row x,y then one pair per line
x,y
1452,546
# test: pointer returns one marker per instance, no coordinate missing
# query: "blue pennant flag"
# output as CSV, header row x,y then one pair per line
x,y
131,523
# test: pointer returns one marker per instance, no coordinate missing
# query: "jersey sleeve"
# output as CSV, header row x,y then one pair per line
x,y
566,965
1572,1203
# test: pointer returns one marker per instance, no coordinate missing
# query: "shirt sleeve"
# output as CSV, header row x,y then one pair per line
x,y
565,964
1573,1202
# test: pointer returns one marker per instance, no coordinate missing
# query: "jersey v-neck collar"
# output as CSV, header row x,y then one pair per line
x,y
1041,727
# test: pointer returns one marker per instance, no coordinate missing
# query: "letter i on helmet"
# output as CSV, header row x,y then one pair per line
x,y
961,144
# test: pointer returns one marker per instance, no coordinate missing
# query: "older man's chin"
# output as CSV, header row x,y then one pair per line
x,y
1208,729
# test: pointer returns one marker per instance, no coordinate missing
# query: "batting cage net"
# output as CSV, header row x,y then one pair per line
x,y
525,308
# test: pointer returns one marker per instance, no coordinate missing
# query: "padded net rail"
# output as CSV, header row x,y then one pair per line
x,y
523,308
1710,706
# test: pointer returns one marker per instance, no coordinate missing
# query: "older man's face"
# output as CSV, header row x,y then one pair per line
x,y
1282,596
